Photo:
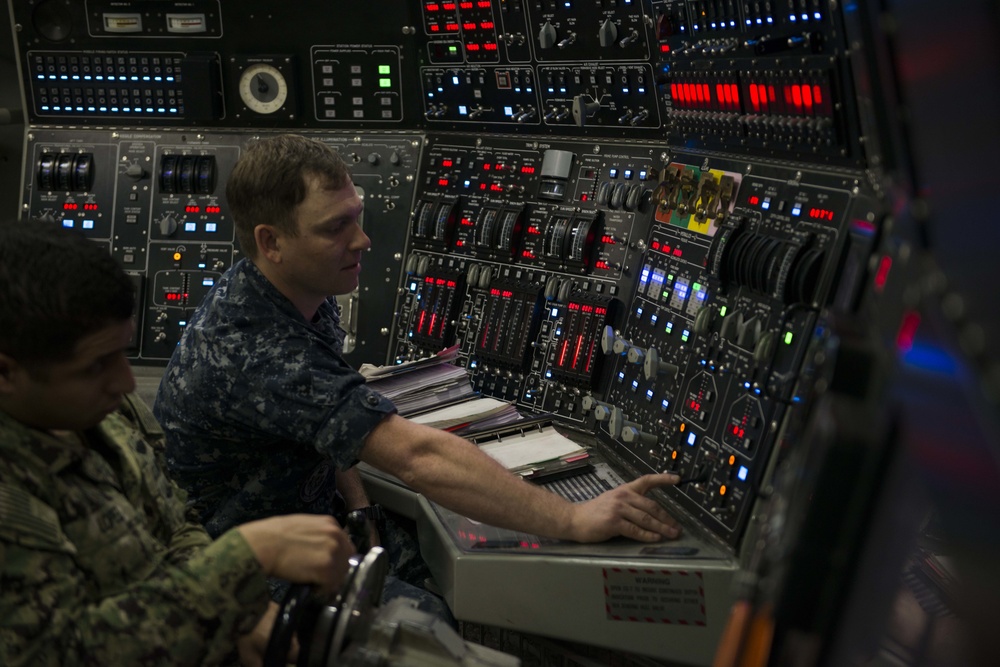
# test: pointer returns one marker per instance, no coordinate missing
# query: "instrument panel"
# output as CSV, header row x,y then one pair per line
x,y
633,217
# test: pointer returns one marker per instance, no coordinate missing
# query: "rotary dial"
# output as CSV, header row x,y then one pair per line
x,y
263,88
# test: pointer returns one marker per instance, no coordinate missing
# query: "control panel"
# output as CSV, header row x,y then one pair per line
x,y
158,199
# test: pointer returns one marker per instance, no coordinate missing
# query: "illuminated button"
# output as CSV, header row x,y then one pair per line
x,y
177,256
722,490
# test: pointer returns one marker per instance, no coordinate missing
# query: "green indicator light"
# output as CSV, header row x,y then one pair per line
x,y
385,83
666,294
670,327
696,287
670,278
788,338
453,49
722,311
384,69
684,337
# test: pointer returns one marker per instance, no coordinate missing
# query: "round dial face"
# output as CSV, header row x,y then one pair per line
x,y
263,88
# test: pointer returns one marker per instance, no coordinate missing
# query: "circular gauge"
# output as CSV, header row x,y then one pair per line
x,y
263,88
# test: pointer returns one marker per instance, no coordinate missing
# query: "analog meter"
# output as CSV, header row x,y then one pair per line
x,y
266,85
263,88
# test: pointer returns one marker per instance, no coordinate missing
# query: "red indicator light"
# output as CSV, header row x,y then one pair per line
x,y
677,252
527,254
483,4
753,200
90,207
584,197
496,188
467,223
655,245
213,209
465,5
487,166
459,243
533,229
482,186
443,182
452,284
527,169
607,239
447,162
664,48
469,26
907,331
490,46
449,6
433,8
435,28
451,27
487,25
882,274
601,264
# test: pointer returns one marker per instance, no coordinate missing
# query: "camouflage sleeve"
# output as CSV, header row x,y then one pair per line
x,y
304,395
179,615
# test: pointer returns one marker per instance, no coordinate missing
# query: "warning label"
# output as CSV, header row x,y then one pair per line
x,y
654,596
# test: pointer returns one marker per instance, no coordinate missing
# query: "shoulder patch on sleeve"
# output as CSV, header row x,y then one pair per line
x,y
27,521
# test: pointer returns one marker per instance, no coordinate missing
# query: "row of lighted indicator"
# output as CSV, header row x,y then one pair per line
x,y
70,223
812,212
465,5
104,109
98,77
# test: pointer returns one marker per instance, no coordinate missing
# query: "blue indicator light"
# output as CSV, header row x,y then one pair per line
x,y
691,439
742,473
208,282
190,227
88,224
67,223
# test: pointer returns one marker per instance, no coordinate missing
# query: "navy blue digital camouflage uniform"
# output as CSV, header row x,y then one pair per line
x,y
100,563
259,406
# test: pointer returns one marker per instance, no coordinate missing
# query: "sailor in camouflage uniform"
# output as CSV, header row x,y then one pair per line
x,y
100,562
262,413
